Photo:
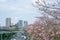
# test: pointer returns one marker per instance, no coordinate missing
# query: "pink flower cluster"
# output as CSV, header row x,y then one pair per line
x,y
39,31
58,32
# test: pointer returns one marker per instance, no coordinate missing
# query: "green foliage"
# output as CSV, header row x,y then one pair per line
x,y
12,28
56,37
27,35
6,36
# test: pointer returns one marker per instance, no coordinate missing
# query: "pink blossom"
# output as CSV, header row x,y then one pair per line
x,y
58,32
42,28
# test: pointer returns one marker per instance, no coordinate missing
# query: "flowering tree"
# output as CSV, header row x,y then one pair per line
x,y
44,29
50,7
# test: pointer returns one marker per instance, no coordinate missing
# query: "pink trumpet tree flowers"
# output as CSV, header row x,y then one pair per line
x,y
44,29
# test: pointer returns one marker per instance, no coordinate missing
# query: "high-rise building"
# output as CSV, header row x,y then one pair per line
x,y
25,23
8,22
21,23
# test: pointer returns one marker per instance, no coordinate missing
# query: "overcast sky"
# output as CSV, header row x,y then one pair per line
x,y
17,10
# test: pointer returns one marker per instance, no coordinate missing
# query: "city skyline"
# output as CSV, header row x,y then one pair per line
x,y
8,22
17,9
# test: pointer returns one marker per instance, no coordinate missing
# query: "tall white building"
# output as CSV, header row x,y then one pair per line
x,y
8,22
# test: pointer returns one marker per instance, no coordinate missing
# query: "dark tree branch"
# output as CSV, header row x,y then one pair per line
x,y
53,11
